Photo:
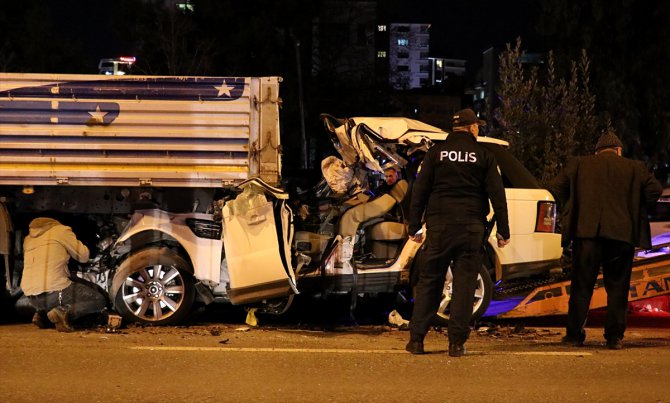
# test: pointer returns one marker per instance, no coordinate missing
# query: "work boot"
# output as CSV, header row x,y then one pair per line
x,y
40,320
615,344
59,317
456,349
415,347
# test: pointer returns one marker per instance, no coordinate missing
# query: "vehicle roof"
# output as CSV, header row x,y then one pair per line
x,y
404,129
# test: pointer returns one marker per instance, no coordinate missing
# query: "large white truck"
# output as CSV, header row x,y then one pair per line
x,y
142,160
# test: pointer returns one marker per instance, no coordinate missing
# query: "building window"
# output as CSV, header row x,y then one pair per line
x,y
381,53
403,42
381,28
402,68
403,28
186,6
403,55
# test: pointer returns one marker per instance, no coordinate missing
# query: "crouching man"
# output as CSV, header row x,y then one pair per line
x,y
58,301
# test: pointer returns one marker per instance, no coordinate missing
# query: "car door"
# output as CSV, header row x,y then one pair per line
x,y
257,237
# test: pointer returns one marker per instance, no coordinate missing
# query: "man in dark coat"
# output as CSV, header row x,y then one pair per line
x,y
456,179
604,199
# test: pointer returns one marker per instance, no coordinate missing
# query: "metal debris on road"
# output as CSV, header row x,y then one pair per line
x,y
395,319
517,331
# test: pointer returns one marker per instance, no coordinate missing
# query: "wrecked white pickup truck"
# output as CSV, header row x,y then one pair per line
x,y
178,181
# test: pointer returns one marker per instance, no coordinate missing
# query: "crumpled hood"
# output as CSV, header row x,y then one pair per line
x,y
41,225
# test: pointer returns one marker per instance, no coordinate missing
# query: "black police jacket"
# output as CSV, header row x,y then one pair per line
x,y
456,179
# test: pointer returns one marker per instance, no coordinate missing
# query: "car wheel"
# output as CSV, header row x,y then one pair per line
x,y
482,297
154,286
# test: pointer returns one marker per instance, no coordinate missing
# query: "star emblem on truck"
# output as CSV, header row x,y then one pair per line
x,y
97,116
224,89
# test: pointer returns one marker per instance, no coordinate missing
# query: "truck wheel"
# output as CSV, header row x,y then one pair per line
x,y
482,297
154,286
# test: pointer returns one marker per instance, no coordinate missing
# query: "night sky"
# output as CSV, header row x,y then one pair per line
x,y
459,29
464,29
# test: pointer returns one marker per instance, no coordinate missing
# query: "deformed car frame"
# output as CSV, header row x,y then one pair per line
x,y
272,254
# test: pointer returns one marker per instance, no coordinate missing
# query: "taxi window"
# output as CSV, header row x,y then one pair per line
x,y
661,212
514,174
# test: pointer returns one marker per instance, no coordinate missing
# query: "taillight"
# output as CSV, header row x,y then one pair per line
x,y
546,217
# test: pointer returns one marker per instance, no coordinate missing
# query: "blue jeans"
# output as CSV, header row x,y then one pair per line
x,y
80,298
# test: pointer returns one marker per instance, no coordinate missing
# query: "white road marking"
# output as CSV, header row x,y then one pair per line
x,y
343,351
566,353
270,350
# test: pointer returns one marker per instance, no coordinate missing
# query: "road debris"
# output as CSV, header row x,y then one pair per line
x,y
113,323
251,317
517,331
395,319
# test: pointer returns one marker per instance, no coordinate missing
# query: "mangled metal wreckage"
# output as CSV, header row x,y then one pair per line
x,y
178,179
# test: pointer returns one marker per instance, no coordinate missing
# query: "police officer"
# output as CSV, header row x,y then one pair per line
x,y
455,182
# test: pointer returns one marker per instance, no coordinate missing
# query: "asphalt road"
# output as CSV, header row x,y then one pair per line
x,y
210,361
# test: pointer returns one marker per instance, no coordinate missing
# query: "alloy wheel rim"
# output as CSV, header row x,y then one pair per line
x,y
445,301
154,293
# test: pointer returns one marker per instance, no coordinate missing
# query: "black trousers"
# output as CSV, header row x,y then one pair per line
x,y
459,246
616,259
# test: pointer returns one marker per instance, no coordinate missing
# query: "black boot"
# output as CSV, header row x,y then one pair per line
x,y
615,343
577,341
415,347
456,349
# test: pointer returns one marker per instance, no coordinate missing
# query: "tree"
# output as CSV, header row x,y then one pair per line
x,y
629,45
546,117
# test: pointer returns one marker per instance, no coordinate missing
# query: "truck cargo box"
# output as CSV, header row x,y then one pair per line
x,y
94,130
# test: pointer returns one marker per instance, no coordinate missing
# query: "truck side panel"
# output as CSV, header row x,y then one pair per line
x,y
92,130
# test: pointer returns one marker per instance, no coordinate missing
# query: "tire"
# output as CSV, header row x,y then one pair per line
x,y
154,286
482,297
